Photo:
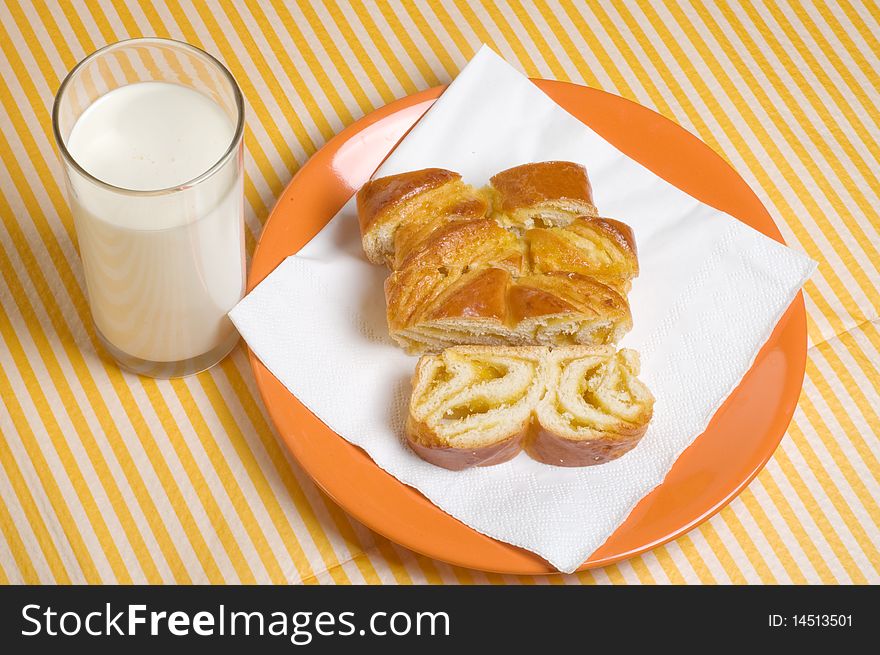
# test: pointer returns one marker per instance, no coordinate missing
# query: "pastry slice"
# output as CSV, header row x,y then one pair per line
x,y
396,213
595,409
542,194
569,406
473,405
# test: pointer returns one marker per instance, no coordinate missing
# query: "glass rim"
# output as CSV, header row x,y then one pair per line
x,y
230,151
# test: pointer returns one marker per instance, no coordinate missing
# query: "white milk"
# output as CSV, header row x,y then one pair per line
x,y
162,270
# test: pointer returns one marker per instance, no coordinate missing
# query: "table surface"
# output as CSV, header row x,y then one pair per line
x,y
109,477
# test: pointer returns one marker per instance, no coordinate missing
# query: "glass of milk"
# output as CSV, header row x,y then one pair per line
x,y
150,136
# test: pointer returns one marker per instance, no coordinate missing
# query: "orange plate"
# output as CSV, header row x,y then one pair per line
x,y
738,442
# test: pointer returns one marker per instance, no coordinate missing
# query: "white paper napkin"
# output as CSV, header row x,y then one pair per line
x,y
710,292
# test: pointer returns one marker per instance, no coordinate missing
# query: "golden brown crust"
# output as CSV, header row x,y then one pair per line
x,y
557,292
525,301
464,275
378,196
456,459
453,257
599,247
550,448
529,185
482,295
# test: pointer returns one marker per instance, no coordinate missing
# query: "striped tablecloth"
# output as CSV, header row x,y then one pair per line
x,y
108,477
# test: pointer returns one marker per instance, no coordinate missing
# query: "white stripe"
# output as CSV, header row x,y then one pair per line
x,y
820,133
362,36
866,95
838,442
867,19
394,43
520,35
774,515
759,539
48,512
845,397
737,553
431,21
295,60
821,507
331,37
20,524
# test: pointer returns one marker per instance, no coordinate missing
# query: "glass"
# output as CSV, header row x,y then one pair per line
x,y
162,266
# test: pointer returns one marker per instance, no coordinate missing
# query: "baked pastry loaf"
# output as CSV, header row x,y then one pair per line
x,y
523,262
571,406
595,408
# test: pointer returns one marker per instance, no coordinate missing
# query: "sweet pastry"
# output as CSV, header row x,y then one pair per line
x,y
414,204
527,274
570,406
543,194
595,409
526,261
473,405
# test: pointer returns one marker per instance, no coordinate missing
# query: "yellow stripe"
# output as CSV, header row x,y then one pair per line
x,y
843,465
430,36
572,51
696,560
452,29
268,77
364,59
296,79
59,440
668,564
842,69
382,46
240,504
710,534
197,479
255,474
806,543
390,15
429,569
480,30
858,22
4,578
817,513
641,569
60,508
338,60
462,575
540,43
770,532
869,369
25,501
840,412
